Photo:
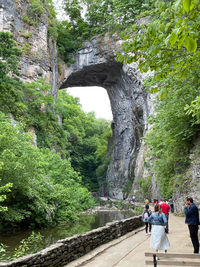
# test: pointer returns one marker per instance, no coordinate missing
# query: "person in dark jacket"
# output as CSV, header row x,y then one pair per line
x,y
192,220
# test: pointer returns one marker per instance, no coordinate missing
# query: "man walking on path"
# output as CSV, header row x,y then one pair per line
x,y
165,209
192,220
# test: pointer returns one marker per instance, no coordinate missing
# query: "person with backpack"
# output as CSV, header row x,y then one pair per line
x,y
145,216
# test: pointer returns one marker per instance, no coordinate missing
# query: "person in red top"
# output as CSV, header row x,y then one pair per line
x,y
165,209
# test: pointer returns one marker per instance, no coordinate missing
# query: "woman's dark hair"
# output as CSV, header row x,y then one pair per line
x,y
189,199
157,208
146,206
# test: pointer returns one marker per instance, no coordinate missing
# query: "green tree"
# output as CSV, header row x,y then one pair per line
x,y
3,190
10,55
88,18
170,138
168,44
46,189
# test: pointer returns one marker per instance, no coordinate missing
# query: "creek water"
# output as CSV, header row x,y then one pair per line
x,y
85,223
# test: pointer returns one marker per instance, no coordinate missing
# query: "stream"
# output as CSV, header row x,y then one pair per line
x,y
86,223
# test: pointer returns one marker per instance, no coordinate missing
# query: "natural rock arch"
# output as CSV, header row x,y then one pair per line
x,y
95,65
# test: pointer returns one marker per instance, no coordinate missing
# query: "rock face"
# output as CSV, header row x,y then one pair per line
x,y
39,59
39,52
191,184
95,65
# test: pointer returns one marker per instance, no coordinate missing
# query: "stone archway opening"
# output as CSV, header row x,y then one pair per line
x,y
93,99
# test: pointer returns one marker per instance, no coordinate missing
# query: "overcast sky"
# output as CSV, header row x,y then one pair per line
x,y
58,5
93,99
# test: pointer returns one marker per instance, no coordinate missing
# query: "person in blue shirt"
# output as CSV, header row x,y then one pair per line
x,y
192,220
159,240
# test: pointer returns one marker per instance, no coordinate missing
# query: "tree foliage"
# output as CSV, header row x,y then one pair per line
x,y
9,54
88,18
168,44
170,139
45,189
3,190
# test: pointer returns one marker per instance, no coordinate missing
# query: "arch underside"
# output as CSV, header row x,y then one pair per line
x,y
103,75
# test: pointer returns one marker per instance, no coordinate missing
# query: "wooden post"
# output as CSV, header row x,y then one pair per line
x,y
154,260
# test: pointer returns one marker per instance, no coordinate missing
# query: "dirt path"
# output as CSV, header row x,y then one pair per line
x,y
128,251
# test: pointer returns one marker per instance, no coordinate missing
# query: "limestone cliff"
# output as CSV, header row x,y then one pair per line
x,y
39,52
190,185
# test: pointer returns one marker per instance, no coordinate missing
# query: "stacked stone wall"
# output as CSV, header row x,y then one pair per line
x,y
69,249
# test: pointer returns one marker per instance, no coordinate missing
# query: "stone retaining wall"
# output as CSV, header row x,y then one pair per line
x,y
69,249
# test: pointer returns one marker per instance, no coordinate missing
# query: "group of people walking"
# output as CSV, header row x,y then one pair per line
x,y
159,219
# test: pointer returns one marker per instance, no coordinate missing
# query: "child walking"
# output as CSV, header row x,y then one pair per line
x,y
145,216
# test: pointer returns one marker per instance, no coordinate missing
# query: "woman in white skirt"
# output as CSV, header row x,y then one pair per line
x,y
159,240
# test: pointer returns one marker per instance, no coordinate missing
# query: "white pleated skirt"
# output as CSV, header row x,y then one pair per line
x,y
159,239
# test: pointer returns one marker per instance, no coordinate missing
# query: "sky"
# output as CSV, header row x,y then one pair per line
x,y
58,5
93,98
